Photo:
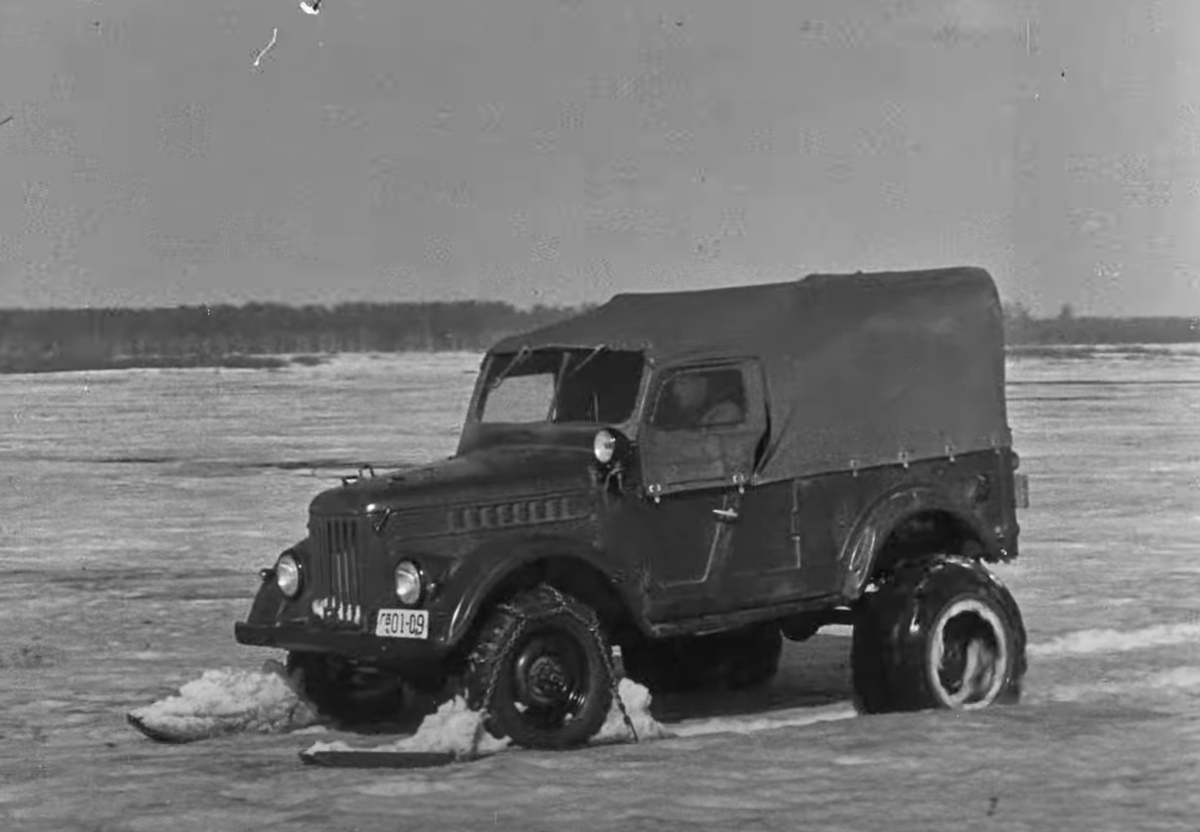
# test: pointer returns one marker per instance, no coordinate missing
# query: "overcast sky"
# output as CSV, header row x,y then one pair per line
x,y
559,151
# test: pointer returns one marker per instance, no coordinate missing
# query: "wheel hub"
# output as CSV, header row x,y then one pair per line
x,y
547,677
970,654
542,679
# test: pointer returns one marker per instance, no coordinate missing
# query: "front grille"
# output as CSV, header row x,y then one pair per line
x,y
337,573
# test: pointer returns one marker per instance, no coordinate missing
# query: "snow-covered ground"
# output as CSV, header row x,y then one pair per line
x,y
136,507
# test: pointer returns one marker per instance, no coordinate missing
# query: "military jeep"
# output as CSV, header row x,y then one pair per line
x,y
690,477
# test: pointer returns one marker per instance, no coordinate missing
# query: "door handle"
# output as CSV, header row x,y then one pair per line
x,y
729,514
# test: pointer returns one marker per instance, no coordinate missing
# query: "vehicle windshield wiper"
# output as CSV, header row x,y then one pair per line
x,y
573,370
569,372
520,358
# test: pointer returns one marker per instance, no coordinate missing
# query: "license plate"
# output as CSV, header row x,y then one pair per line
x,y
402,624
1021,486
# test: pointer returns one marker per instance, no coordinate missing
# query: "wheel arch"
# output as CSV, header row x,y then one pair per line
x,y
578,571
908,524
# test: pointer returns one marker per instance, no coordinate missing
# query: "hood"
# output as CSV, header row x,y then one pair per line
x,y
516,461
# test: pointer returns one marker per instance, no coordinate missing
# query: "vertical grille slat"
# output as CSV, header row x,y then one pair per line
x,y
344,561
343,589
336,552
349,592
321,569
331,548
353,565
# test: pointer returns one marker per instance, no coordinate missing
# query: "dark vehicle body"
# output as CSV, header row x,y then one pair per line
x,y
869,429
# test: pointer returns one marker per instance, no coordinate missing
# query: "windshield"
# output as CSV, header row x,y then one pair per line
x,y
596,385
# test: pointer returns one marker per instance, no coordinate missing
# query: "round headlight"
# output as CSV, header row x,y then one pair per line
x,y
408,582
287,575
604,446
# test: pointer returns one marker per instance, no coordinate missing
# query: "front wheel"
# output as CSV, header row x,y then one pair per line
x,y
939,633
541,671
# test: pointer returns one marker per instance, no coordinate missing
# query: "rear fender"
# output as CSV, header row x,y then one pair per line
x,y
860,552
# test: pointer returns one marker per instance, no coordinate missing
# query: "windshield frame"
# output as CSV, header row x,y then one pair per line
x,y
572,359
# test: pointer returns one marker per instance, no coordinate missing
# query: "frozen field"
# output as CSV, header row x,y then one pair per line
x,y
137,506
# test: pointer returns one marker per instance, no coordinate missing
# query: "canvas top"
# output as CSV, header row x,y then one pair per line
x,y
666,325
859,369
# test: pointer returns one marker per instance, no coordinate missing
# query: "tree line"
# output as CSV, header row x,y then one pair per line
x,y
47,339
255,334
1021,328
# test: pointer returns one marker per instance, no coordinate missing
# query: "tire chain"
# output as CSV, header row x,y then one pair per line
x,y
510,636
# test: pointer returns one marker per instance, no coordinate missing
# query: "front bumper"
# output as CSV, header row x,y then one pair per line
x,y
400,651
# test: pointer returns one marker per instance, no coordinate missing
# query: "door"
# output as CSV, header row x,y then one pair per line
x,y
704,427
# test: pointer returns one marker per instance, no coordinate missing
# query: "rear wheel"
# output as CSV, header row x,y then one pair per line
x,y
541,671
939,633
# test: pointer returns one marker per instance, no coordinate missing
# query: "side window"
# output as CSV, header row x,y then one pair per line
x,y
698,399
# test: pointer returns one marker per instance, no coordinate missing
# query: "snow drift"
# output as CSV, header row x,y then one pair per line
x,y
457,730
227,701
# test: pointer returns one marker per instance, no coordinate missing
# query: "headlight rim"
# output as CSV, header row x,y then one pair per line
x,y
608,439
289,558
418,574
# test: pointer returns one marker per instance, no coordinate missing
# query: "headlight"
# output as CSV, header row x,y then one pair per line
x,y
408,582
287,575
604,446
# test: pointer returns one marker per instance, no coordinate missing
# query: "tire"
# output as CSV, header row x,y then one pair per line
x,y
735,660
541,670
939,633
345,693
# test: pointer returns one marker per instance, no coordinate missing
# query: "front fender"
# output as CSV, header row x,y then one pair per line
x,y
862,546
269,604
489,566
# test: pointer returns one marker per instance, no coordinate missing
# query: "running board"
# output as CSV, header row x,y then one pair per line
x,y
819,608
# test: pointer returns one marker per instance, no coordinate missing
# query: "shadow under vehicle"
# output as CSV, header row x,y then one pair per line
x,y
690,477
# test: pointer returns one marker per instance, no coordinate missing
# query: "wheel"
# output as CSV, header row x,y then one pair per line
x,y
344,692
738,660
939,633
542,671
